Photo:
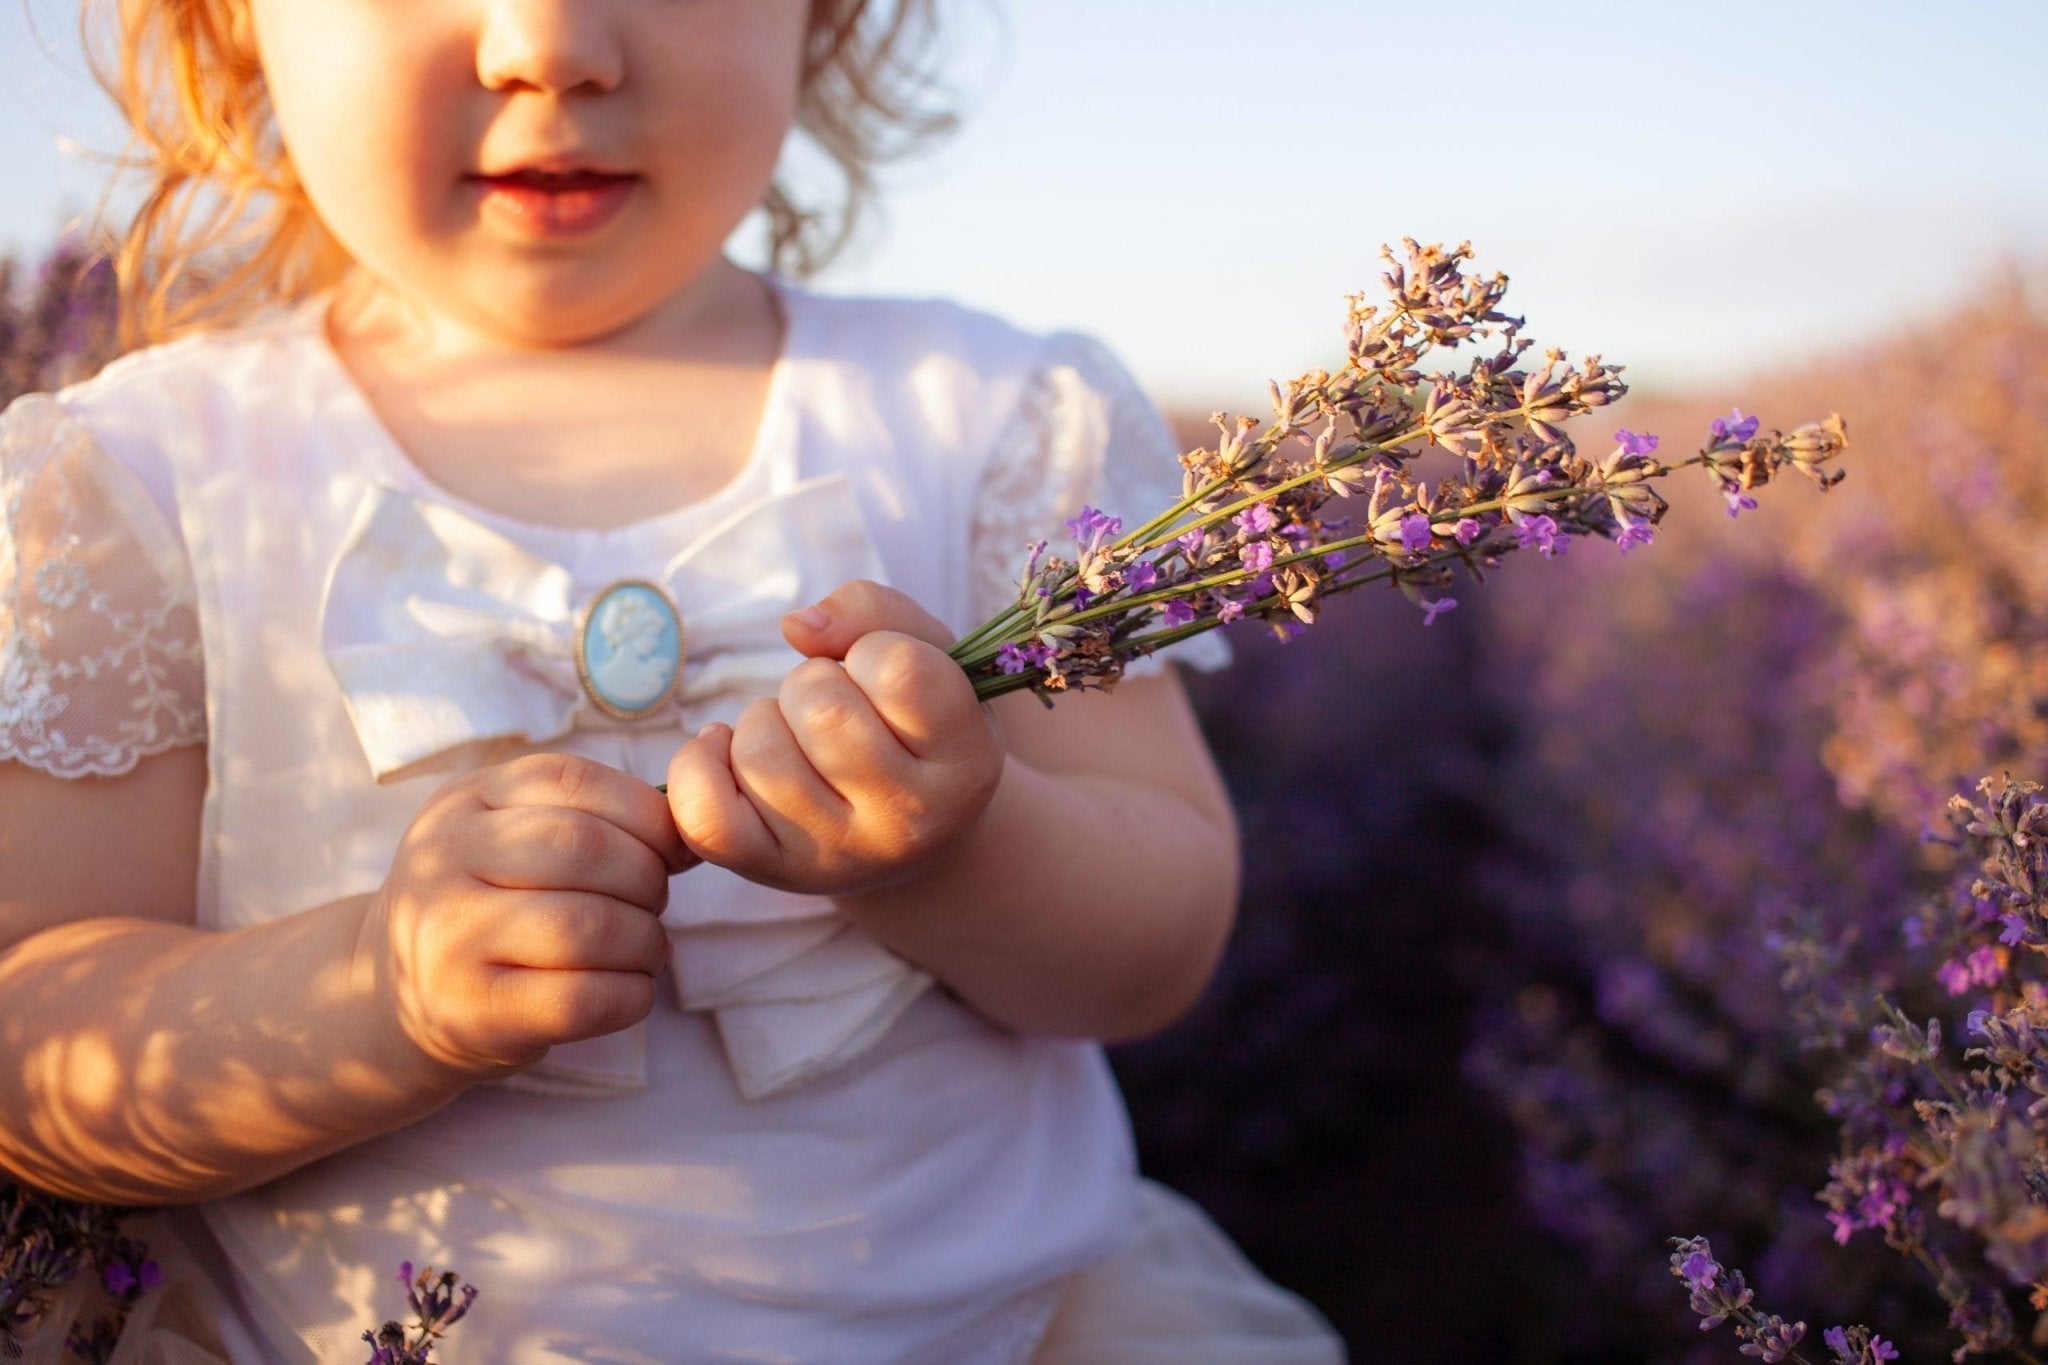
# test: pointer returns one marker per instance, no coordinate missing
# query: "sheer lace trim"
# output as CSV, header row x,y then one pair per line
x,y
1082,433
100,661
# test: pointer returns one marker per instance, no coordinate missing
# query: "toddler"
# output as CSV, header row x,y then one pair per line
x,y
349,625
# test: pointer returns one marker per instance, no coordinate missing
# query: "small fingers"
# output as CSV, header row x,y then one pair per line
x,y
575,931
829,628
798,806
550,1007
558,848
579,783
840,733
922,696
716,820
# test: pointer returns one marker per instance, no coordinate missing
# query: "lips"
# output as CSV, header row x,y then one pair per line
x,y
556,181
554,203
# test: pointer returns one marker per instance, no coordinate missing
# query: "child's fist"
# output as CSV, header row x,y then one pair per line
x,y
522,910
874,757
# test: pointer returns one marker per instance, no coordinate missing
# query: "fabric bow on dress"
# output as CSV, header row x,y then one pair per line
x,y
446,635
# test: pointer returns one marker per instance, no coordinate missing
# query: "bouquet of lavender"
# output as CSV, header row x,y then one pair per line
x,y
1255,532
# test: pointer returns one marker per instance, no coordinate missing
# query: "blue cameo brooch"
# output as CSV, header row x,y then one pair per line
x,y
629,649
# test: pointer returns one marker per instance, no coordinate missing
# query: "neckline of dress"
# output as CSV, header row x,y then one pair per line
x,y
770,460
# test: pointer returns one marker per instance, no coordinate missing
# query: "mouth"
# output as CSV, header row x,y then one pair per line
x,y
555,181
554,203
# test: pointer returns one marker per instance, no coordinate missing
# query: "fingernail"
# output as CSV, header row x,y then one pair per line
x,y
706,728
814,618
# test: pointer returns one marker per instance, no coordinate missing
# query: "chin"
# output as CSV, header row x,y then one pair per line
x,y
550,317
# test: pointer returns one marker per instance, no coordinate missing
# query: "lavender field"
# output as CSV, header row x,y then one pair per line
x,y
1566,919
1572,921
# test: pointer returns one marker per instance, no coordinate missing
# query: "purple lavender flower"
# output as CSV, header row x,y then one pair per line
x,y
1255,520
1858,1346
1257,556
1979,968
121,1277
438,1302
1773,1338
1141,575
1178,612
1191,546
1230,610
1635,443
1467,531
1634,534
1542,532
1738,502
1020,658
1092,524
1735,427
1335,560
1432,610
1415,533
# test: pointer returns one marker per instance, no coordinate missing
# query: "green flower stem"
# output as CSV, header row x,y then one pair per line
x,y
1358,456
998,685
997,628
1268,442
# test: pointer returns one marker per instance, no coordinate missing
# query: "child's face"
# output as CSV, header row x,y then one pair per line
x,y
393,110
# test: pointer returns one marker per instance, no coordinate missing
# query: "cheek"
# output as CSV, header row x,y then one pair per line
x,y
736,88
357,110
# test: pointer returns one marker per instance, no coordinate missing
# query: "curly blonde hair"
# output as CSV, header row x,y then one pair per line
x,y
190,85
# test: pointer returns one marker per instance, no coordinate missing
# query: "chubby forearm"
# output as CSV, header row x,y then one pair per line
x,y
1081,904
154,1063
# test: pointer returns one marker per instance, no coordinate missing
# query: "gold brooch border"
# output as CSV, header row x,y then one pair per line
x,y
597,699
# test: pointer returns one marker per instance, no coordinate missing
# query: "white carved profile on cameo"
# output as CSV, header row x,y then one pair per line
x,y
629,650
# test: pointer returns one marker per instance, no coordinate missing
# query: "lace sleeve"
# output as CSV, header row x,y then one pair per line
x,y
1083,433
99,641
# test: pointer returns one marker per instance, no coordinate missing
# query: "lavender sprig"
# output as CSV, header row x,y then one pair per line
x,y
1720,1295
438,1303
45,1243
1254,535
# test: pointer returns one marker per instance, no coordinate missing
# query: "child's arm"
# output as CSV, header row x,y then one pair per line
x,y
1070,873
145,1061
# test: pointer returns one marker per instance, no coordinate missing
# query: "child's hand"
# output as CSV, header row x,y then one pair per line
x,y
875,756
521,911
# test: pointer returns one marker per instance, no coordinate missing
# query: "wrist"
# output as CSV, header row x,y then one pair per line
x,y
937,865
380,1012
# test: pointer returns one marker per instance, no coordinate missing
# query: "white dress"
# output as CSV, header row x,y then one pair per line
x,y
808,1152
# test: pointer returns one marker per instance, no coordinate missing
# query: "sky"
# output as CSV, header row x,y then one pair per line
x,y
1699,191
